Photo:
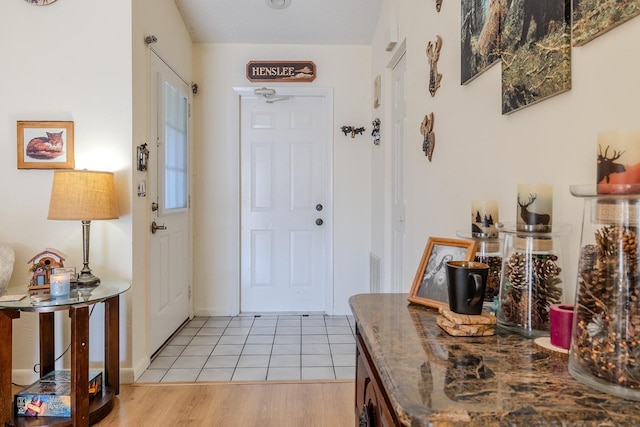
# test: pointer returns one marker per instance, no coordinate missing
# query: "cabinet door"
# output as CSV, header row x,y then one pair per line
x,y
371,403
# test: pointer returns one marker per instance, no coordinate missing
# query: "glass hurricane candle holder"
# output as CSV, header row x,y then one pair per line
x,y
605,343
531,280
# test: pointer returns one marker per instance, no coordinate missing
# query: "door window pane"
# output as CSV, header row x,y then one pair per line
x,y
175,151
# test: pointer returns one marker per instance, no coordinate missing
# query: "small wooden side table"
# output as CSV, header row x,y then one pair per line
x,y
83,411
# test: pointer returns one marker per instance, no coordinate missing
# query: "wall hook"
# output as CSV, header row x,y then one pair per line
x,y
375,133
352,130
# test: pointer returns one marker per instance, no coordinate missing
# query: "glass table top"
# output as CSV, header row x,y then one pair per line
x,y
40,300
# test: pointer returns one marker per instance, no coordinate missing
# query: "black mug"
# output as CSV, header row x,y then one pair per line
x,y
466,283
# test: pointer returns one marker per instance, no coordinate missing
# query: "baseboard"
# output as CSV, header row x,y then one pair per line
x,y
212,313
130,375
24,377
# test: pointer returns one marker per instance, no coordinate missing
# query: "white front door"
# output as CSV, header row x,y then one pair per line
x,y
397,177
285,203
168,198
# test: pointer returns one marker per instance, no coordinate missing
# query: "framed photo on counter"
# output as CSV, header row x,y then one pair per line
x,y
429,286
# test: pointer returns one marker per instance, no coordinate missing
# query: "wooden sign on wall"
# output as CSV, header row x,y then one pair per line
x,y
281,71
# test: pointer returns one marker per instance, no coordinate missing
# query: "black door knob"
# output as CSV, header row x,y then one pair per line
x,y
319,221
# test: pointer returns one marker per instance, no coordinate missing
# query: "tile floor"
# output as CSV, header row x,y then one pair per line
x,y
258,348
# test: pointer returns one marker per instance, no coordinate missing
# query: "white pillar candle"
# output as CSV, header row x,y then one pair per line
x,y
484,216
59,285
535,207
618,164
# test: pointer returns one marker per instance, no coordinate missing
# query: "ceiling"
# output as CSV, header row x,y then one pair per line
x,y
303,22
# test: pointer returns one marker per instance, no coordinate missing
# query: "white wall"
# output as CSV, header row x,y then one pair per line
x,y
219,68
481,154
62,63
66,64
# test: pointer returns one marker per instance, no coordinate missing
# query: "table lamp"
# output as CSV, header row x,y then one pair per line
x,y
83,195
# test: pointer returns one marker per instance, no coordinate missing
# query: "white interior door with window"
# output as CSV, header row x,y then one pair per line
x,y
286,213
168,196
398,206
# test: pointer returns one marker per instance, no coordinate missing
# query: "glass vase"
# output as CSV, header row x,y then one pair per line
x,y
531,280
605,343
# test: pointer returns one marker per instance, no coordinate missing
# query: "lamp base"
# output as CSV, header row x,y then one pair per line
x,y
88,279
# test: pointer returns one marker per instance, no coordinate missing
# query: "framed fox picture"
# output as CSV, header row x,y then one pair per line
x,y
45,145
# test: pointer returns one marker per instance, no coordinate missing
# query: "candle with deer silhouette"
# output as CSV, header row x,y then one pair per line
x,y
618,161
535,206
484,216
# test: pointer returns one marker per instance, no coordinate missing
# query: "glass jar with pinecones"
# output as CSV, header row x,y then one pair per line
x,y
531,280
605,345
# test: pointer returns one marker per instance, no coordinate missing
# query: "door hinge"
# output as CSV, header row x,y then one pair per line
x,y
189,110
189,201
189,292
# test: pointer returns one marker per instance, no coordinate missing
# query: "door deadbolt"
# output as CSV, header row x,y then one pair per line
x,y
154,206
319,207
319,221
155,227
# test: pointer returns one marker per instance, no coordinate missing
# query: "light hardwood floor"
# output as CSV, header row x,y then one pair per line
x,y
264,404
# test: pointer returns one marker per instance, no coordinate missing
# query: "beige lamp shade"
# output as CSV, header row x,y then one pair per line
x,y
83,195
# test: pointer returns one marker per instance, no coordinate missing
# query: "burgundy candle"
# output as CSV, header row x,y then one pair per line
x,y
560,324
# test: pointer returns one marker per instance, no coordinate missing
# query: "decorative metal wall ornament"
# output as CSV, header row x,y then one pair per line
x,y
429,137
375,133
433,54
352,130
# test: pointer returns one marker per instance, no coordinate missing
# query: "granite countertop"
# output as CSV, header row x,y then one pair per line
x,y
433,378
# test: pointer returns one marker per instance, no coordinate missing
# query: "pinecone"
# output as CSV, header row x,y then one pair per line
x,y
545,269
587,258
523,308
515,270
550,290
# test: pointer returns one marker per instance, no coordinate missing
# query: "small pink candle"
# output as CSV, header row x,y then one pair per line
x,y
560,325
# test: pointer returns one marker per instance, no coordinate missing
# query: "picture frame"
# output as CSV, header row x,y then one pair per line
x,y
536,59
480,37
429,286
45,145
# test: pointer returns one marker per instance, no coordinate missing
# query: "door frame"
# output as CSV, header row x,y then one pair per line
x,y
327,93
396,267
149,216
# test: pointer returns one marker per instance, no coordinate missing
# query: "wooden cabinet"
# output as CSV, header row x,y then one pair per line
x,y
372,406
410,372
